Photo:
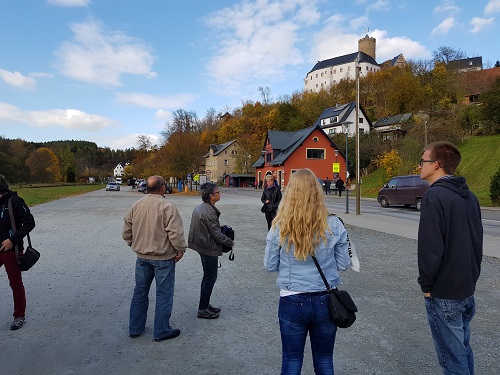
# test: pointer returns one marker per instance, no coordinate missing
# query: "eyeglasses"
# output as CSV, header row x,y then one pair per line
x,y
216,192
422,161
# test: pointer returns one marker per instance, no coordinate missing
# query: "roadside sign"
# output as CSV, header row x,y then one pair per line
x,y
336,167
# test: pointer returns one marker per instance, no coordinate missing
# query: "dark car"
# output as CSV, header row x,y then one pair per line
x,y
405,190
144,188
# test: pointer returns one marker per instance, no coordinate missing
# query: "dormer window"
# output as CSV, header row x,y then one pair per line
x,y
334,119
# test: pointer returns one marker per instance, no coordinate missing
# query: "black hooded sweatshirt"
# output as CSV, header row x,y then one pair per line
x,y
22,215
450,240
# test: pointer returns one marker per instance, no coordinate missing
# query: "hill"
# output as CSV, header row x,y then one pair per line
x,y
480,161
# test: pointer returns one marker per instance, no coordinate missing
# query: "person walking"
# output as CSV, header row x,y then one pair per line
x,y
302,229
154,230
9,239
450,251
206,237
328,184
339,185
271,198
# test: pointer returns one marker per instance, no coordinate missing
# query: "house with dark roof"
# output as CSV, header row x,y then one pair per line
x,y
466,65
342,117
397,61
221,160
285,152
474,83
390,128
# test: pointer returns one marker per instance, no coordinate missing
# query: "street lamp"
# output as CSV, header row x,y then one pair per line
x,y
345,126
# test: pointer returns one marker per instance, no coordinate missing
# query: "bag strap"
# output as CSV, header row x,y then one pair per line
x,y
321,273
13,225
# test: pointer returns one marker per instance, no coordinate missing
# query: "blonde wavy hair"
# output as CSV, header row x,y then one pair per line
x,y
302,214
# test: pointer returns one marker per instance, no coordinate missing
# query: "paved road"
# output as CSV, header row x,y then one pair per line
x,y
79,295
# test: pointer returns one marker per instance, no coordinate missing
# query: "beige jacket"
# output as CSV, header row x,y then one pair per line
x,y
153,228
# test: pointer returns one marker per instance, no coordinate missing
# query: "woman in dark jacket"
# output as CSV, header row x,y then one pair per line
x,y
206,237
271,197
8,241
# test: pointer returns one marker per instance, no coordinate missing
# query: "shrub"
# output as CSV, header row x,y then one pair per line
x,y
495,188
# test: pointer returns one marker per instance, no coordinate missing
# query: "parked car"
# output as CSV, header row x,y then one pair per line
x,y
322,183
113,186
144,188
406,190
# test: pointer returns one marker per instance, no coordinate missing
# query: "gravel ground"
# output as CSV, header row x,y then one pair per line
x,y
79,294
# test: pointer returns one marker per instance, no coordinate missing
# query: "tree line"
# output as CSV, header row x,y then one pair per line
x,y
427,88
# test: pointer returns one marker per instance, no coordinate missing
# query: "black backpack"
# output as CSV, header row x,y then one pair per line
x,y
229,232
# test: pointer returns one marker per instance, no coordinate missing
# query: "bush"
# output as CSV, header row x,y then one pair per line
x,y
495,188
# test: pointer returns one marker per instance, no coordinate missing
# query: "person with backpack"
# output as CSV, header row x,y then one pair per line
x,y
9,239
271,198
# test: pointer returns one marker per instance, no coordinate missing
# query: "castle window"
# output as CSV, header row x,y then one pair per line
x,y
340,70
334,71
348,68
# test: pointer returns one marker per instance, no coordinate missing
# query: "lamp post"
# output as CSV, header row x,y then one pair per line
x,y
358,179
345,126
425,132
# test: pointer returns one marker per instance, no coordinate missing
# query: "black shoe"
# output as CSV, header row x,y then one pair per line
x,y
214,309
18,323
207,314
173,335
134,335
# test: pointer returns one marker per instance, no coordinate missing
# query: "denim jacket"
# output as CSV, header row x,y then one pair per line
x,y
302,276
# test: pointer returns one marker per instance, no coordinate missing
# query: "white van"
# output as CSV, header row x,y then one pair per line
x,y
119,180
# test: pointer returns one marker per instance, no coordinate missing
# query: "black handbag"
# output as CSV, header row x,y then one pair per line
x,y
264,208
341,307
31,255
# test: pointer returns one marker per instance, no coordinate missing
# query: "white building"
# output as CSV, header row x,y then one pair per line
x,y
118,171
328,73
336,119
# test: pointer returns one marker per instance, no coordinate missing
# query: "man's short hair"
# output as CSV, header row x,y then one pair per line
x,y
446,154
154,184
206,190
4,185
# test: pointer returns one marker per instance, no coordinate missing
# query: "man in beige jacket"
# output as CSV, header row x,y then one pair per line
x,y
153,228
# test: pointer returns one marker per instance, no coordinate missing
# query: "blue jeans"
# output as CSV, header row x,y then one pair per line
x,y
450,326
145,271
210,265
299,314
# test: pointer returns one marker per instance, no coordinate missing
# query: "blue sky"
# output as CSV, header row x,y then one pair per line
x,y
108,70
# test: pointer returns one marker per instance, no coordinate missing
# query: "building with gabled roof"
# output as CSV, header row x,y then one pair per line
x,y
285,152
390,128
334,120
220,160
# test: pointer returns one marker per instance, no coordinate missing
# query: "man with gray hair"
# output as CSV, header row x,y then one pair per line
x,y
206,237
153,228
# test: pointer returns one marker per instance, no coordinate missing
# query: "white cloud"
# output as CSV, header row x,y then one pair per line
x,y
42,75
479,23
445,26
389,47
69,3
150,101
16,79
257,41
100,57
493,6
447,6
123,142
162,114
72,119
380,5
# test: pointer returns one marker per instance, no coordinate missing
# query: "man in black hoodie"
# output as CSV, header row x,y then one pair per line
x,y
450,251
9,239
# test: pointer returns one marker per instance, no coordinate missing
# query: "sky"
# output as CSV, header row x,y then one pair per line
x,y
107,71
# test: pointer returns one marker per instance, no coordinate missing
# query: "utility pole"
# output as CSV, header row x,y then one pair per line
x,y
358,178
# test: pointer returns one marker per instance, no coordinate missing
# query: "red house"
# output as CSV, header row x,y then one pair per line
x,y
285,152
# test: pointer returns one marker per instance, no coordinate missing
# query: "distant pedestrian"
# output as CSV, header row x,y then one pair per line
x,y
328,184
271,198
206,237
339,185
9,239
302,229
153,228
450,251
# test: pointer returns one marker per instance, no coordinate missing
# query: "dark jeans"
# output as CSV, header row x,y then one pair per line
x,y
300,314
449,321
210,265
270,215
8,259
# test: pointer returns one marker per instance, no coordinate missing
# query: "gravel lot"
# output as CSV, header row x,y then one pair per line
x,y
79,294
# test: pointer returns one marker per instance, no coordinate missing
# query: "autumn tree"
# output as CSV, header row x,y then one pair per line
x,y
44,165
390,162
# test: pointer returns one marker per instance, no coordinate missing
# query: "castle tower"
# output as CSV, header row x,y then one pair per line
x,y
367,45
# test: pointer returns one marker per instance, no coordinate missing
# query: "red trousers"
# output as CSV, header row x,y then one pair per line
x,y
8,259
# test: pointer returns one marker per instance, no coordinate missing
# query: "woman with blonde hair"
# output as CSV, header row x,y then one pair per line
x,y
303,228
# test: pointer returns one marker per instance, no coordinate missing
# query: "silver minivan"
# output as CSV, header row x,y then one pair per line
x,y
405,190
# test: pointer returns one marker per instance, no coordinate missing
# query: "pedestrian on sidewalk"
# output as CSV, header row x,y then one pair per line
x,y
154,230
9,239
328,184
206,237
450,251
339,185
304,228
